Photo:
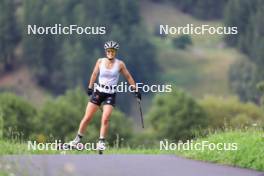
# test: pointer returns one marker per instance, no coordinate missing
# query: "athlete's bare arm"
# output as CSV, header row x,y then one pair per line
x,y
127,75
94,74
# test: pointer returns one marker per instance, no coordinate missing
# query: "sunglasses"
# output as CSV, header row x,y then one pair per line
x,y
110,51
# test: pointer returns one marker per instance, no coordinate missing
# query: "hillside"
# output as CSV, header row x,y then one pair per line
x,y
22,83
202,68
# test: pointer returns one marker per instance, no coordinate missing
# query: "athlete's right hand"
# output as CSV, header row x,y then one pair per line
x,y
89,91
138,95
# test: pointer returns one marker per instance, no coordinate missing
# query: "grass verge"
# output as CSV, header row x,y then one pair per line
x,y
249,153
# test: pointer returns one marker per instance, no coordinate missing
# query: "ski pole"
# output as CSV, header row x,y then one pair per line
x,y
140,110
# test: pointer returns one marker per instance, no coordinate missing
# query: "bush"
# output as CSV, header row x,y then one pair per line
x,y
176,116
144,139
18,116
182,41
57,119
230,111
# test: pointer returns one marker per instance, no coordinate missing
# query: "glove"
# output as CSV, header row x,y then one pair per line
x,y
138,95
89,91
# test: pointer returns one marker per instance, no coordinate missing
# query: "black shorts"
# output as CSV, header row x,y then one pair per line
x,y
100,97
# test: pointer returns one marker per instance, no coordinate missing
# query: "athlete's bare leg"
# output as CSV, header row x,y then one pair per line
x,y
90,110
107,110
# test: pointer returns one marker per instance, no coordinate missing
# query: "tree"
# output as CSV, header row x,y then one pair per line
x,y
239,13
257,37
9,34
260,87
203,9
243,78
43,52
247,16
176,116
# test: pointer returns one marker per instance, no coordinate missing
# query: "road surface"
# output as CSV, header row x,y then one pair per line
x,y
117,165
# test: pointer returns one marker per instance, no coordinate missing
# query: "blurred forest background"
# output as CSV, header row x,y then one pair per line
x,y
217,79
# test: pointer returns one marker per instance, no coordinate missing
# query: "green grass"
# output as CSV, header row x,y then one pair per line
x,y
2,173
249,153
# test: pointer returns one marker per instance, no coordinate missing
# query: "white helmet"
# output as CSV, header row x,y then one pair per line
x,y
111,44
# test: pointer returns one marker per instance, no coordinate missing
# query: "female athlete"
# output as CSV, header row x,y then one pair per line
x,y
108,69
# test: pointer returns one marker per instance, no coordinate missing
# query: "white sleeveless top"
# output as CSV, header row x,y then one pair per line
x,y
108,77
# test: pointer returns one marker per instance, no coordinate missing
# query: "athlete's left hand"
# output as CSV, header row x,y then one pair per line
x,y
89,91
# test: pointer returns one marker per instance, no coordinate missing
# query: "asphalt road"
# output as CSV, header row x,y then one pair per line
x,y
116,165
